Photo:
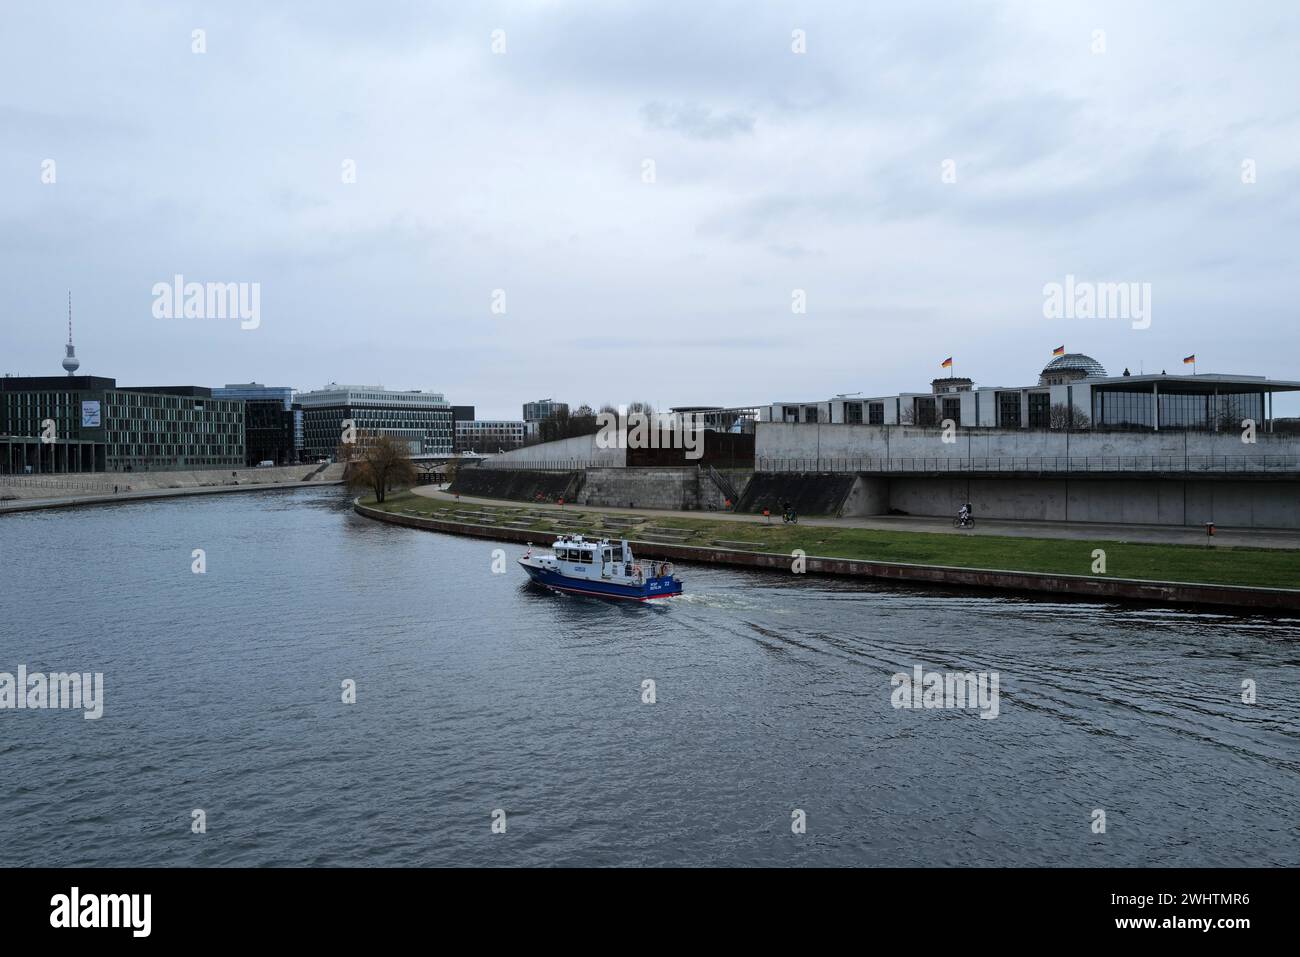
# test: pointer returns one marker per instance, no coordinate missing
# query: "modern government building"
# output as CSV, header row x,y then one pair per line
x,y
88,424
1074,392
423,420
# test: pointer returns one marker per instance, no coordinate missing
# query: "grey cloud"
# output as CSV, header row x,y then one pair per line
x,y
696,122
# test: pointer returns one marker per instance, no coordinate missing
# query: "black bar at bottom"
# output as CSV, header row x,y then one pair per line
x,y
944,907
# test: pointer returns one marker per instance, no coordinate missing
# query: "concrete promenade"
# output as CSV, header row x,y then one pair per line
x,y
164,485
1155,534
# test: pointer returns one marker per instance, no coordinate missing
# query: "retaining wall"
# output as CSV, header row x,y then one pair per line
x,y
808,493
519,485
783,440
676,489
1245,504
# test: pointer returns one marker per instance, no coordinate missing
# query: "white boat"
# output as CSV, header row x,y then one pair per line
x,y
602,568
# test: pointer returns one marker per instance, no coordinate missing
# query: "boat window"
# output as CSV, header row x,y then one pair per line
x,y
618,553
586,556
562,554
607,555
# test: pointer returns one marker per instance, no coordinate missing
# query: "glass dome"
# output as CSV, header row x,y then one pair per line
x,y
1075,362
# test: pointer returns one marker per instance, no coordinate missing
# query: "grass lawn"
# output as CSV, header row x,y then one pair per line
x,y
1211,564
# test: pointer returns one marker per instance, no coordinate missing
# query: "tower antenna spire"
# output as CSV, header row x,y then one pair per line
x,y
70,360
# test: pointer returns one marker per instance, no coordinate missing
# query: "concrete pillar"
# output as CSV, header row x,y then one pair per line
x,y
1155,405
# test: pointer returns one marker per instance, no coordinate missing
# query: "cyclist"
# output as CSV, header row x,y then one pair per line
x,y
964,514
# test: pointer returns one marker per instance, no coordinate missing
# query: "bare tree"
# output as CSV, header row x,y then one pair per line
x,y
378,462
1063,415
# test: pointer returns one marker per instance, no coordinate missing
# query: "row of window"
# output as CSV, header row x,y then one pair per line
x,y
1138,410
585,556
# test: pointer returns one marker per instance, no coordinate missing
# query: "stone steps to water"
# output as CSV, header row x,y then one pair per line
x,y
744,545
669,532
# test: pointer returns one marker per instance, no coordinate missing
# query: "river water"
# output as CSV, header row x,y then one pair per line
x,y
476,693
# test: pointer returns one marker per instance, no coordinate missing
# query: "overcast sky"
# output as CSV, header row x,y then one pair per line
x,y
524,171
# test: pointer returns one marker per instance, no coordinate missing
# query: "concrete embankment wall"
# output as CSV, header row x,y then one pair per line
x,y
783,440
92,483
684,489
1245,504
519,485
1094,588
809,493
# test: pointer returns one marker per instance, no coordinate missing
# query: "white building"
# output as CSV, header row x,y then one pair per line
x,y
423,420
1073,392
489,435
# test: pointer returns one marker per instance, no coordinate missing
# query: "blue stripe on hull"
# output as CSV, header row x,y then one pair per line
x,y
667,587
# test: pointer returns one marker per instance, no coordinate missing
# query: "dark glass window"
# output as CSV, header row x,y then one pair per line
x,y
853,413
1009,410
923,410
952,409
1040,410
876,413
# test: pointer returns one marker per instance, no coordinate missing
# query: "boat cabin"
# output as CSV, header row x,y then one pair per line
x,y
576,557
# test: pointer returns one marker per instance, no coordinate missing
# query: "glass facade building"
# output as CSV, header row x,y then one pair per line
x,y
1118,408
1073,394
423,420
270,425
544,409
87,424
489,435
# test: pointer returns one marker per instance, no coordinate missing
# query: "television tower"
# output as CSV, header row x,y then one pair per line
x,y
70,360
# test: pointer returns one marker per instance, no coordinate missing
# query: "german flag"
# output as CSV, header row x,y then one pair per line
x,y
1189,360
946,363
1059,351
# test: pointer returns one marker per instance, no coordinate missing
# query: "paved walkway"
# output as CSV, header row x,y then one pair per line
x,y
1160,534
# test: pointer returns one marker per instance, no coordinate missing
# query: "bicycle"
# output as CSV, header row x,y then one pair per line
x,y
963,522
790,518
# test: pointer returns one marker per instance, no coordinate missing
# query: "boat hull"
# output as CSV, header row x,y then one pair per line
x,y
664,587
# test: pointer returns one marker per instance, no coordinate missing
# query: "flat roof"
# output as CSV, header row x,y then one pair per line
x,y
1203,382
56,383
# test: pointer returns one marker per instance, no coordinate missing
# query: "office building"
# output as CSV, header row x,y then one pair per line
x,y
1074,392
74,423
487,436
272,428
422,420
544,409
